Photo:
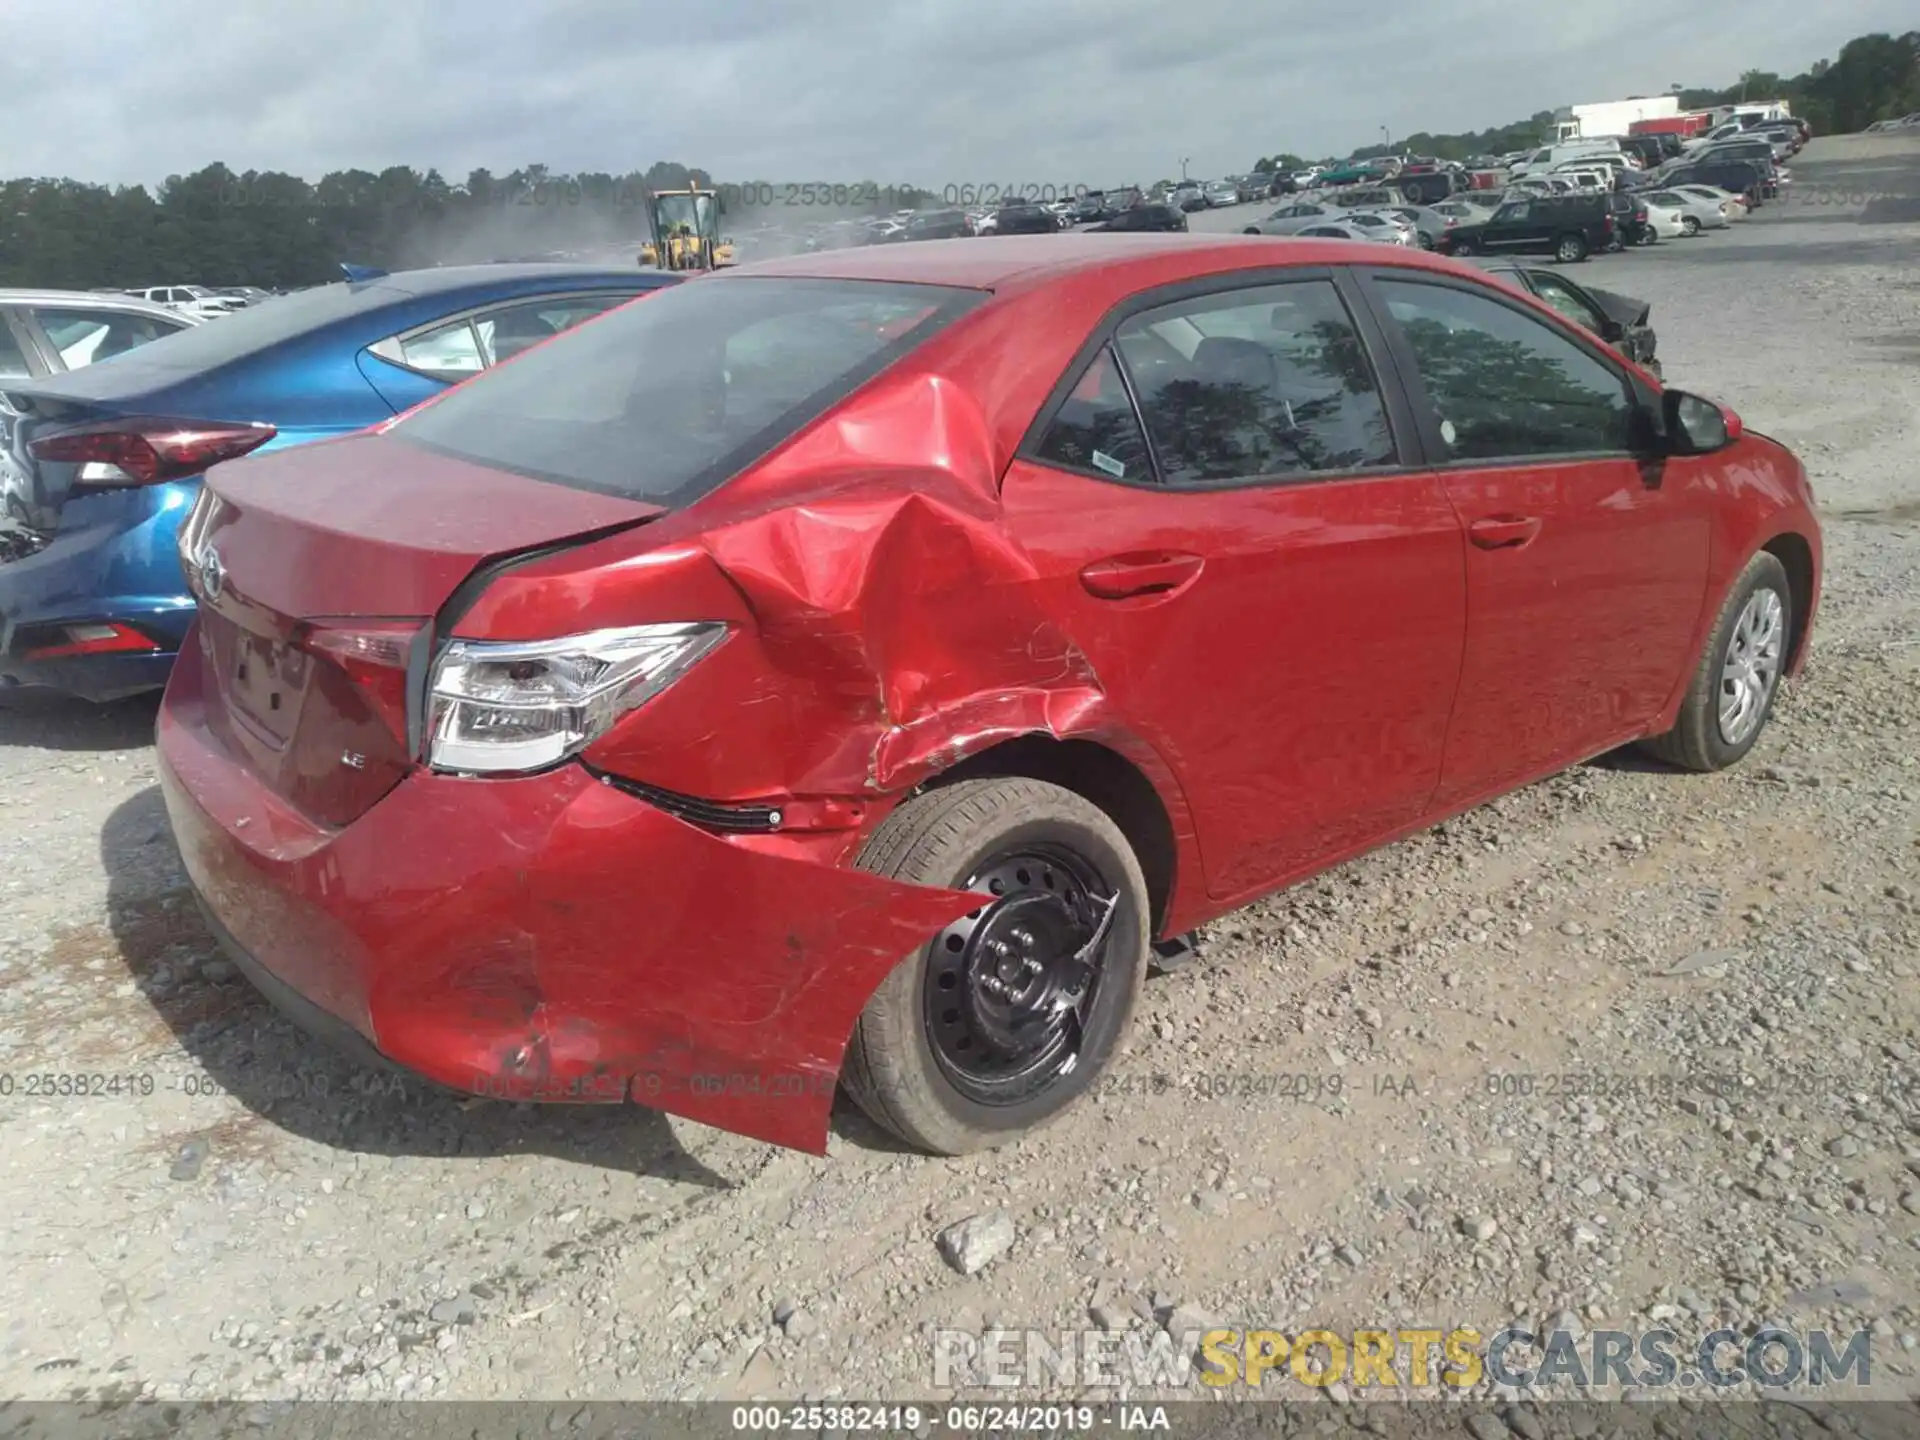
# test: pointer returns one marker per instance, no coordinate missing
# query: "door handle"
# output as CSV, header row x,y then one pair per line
x,y
1120,577
1503,532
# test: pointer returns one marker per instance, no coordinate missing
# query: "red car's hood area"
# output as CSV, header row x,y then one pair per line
x,y
371,525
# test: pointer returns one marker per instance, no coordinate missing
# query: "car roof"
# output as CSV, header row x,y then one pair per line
x,y
1015,263
440,279
248,353
87,300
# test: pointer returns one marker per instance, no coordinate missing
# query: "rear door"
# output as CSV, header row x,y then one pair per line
x,y
1586,562
1221,504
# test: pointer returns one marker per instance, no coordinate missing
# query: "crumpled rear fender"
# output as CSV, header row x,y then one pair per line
x,y
886,624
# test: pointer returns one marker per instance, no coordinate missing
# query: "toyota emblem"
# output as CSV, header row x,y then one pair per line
x,y
213,575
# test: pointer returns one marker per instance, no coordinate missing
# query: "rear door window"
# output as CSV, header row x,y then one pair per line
x,y
1097,428
449,352
1269,381
505,332
662,401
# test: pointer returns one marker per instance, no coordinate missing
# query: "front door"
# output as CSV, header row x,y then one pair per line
x,y
1266,593
1517,225
1586,563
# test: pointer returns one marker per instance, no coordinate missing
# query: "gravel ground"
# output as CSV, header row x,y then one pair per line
x,y
1720,971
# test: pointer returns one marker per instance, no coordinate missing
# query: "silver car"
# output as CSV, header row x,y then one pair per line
x,y
1296,215
1696,213
1384,225
1428,223
1340,230
49,332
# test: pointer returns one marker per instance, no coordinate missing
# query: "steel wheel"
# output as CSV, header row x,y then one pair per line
x,y
1751,666
1009,985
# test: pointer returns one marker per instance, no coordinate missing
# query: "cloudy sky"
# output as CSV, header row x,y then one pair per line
x,y
934,92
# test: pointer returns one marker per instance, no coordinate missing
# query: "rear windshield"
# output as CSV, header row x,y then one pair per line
x,y
256,327
666,397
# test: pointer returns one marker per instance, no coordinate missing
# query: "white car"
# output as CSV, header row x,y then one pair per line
x,y
1733,206
1666,222
1696,212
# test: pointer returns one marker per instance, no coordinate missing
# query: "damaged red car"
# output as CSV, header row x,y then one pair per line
x,y
848,670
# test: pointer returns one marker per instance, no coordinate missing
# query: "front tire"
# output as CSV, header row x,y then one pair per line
x,y
975,1038
1731,696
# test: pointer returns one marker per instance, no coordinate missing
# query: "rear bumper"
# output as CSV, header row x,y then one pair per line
x,y
113,559
548,937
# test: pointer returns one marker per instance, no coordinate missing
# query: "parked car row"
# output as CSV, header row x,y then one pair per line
x,y
1577,199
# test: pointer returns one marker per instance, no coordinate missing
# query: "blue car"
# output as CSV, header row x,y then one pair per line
x,y
99,467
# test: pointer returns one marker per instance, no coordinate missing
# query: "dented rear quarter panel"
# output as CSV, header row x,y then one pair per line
x,y
886,624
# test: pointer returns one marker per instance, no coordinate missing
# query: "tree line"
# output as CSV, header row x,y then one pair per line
x,y
1875,77
267,228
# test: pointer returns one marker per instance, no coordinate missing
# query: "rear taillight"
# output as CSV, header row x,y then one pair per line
x,y
62,642
148,452
373,655
503,707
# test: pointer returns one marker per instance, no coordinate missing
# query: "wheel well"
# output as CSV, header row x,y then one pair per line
x,y
1796,558
1103,776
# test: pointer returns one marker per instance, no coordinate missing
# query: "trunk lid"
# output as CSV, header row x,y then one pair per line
x,y
319,577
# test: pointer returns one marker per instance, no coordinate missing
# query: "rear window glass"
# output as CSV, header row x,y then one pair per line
x,y
665,398
244,331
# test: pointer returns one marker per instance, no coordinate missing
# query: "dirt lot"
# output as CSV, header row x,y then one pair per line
x,y
1629,1047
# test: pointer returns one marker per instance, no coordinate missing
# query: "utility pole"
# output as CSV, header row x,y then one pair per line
x,y
1185,160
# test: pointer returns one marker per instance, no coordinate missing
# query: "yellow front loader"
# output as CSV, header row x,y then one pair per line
x,y
686,231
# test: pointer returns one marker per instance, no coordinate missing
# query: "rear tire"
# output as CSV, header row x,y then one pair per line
x,y
1462,247
1749,640
1252,230
1570,249
1689,225
925,1060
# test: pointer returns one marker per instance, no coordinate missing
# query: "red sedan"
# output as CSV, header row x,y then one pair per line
x,y
847,669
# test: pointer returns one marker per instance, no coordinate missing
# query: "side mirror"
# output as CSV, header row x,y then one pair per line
x,y
1611,330
1696,426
